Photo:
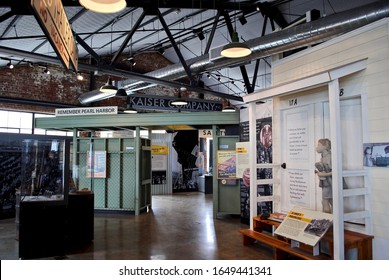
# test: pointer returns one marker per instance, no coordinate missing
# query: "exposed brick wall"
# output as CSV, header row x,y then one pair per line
x,y
30,83
61,86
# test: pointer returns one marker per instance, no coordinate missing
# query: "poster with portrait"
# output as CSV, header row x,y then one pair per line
x,y
96,164
226,164
376,154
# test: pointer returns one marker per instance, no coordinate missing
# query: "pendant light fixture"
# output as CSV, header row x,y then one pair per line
x,y
228,108
104,6
46,71
109,87
235,49
121,93
179,101
10,65
130,110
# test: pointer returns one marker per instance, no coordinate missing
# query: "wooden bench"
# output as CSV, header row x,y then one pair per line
x,y
282,249
360,241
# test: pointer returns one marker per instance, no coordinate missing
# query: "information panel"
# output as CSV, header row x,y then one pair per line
x,y
304,225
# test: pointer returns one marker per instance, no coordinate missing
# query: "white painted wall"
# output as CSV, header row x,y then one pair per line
x,y
370,42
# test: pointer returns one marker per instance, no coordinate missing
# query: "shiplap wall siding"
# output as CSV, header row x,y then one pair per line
x,y
371,42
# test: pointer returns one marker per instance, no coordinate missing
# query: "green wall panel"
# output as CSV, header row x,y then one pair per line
x,y
113,180
129,173
113,145
99,144
99,190
128,144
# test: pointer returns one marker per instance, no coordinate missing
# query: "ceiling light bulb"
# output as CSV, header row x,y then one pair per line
x,y
80,77
104,6
132,61
10,65
46,71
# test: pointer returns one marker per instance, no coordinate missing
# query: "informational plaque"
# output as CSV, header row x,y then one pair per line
x,y
96,164
242,158
304,225
298,154
159,157
297,136
298,187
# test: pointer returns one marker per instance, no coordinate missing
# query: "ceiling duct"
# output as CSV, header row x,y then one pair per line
x,y
306,34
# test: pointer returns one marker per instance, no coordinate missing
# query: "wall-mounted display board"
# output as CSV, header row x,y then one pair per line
x,y
226,164
96,164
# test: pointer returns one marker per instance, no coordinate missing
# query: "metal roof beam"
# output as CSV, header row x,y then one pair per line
x,y
174,44
128,38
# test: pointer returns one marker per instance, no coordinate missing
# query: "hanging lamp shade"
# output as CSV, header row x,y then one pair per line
x,y
121,93
130,110
228,108
235,49
104,6
179,101
109,87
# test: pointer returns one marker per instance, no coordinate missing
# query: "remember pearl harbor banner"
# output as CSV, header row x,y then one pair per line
x,y
67,112
154,102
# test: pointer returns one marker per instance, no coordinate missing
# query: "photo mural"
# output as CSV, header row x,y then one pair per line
x,y
185,171
264,130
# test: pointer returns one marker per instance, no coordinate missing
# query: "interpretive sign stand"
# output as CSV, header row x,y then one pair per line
x,y
305,226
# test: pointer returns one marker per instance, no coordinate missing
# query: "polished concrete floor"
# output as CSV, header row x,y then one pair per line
x,y
179,227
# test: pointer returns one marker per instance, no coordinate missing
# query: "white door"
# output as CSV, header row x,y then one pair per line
x,y
298,154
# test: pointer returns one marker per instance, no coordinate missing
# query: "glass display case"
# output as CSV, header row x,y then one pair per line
x,y
45,171
42,204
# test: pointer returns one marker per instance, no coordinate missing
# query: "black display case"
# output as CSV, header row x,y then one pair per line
x,y
42,205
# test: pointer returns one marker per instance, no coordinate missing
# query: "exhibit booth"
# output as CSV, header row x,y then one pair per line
x,y
334,91
122,175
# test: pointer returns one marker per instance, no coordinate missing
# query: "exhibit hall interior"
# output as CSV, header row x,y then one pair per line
x,y
194,130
